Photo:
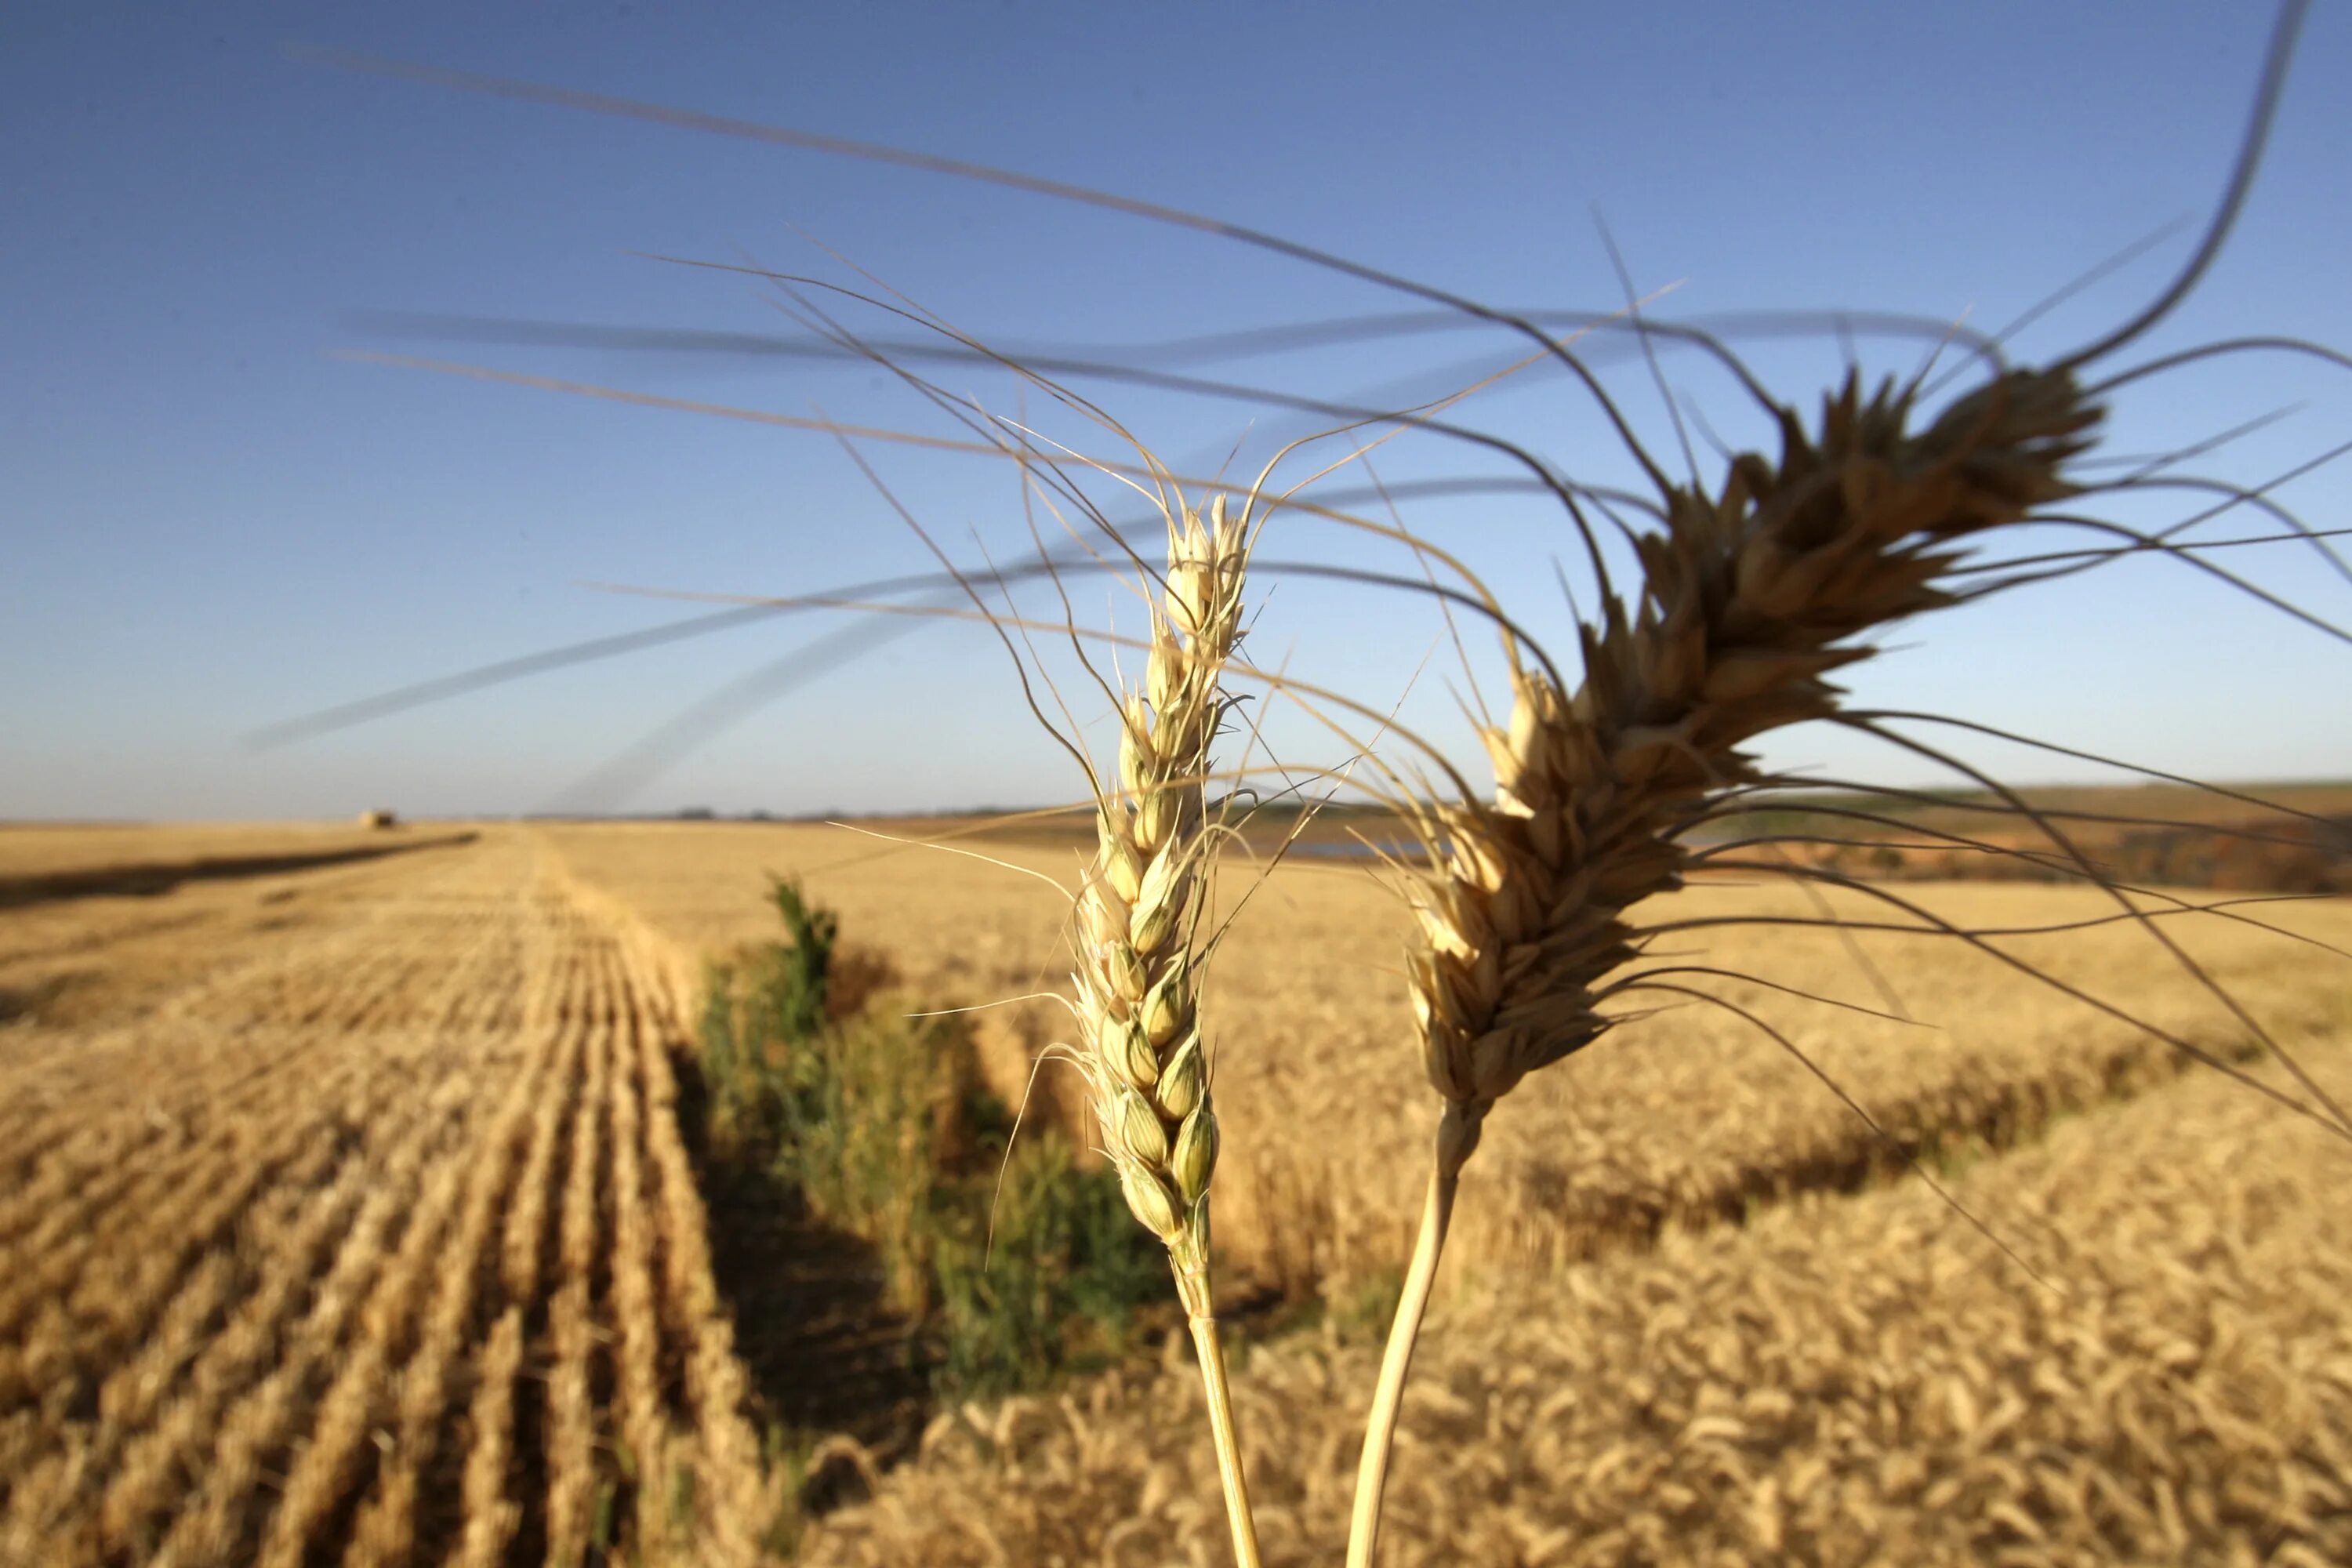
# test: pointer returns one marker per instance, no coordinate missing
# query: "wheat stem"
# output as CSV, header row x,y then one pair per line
x,y
1220,1429
1396,1362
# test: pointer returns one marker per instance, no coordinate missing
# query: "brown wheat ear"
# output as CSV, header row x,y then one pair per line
x,y
1750,598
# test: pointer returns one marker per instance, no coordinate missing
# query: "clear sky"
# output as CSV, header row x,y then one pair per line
x,y
210,523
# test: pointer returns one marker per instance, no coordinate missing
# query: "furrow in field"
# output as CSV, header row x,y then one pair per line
x,y
382,1247
113,1163
732,1499
135,1266
641,1415
488,1515
571,1435
225,992
329,1461
526,1238
365,1294
75,1257
75,1456
48,1460
529,1262
452,966
144,1465
174,1326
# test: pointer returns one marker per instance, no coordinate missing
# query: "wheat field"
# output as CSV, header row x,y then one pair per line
x,y
1846,1381
367,1234
351,1216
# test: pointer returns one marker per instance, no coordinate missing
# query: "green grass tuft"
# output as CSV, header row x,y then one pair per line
x,y
1023,1267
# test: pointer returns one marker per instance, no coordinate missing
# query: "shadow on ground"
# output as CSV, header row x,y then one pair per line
x,y
155,877
825,1353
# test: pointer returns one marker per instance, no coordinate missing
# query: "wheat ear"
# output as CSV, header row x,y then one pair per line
x,y
1749,599
1137,918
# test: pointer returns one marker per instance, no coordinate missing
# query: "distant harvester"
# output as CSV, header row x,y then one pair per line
x,y
380,816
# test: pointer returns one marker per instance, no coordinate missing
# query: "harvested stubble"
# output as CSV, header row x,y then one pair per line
x,y
286,1248
1571,1166
1846,1381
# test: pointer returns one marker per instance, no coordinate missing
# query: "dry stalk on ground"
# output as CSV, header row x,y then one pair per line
x,y
1844,1381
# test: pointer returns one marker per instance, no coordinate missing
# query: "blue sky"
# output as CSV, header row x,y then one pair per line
x,y
211,522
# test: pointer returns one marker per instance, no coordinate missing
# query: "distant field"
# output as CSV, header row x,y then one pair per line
x,y
2077,808
32,848
2282,838
1307,1010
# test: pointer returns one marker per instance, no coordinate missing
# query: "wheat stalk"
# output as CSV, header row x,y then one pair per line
x,y
1750,598
1135,921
